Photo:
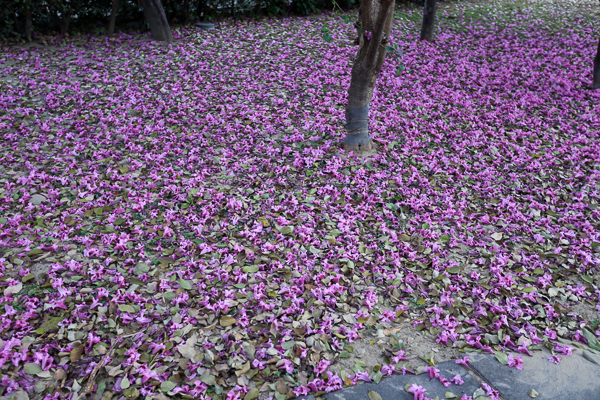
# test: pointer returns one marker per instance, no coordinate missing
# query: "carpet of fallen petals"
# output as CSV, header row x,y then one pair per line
x,y
181,220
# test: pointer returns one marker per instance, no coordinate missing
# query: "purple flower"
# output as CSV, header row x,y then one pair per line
x,y
515,362
323,364
417,391
523,348
363,376
398,357
388,370
458,380
287,365
490,391
433,372
405,370
463,361
579,336
301,391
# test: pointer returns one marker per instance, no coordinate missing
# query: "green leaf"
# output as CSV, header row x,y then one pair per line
x,y
377,377
335,232
32,369
227,320
125,383
185,284
288,345
250,269
327,37
529,289
49,325
587,279
141,268
208,378
286,230
373,395
344,354
449,395
35,251
391,206
169,296
252,394
502,357
167,386
126,308
453,270
591,338
444,238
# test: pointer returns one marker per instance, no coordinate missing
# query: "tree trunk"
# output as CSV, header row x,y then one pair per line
x,y
596,83
113,17
428,20
28,22
159,26
65,21
374,25
200,10
186,10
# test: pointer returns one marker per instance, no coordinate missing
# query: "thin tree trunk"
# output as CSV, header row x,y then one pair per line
x,y
65,21
596,82
428,20
186,10
28,22
159,26
375,22
200,10
113,18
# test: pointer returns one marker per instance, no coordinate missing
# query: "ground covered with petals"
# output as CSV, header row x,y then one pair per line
x,y
180,220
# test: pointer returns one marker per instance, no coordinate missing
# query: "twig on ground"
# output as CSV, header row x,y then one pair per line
x,y
92,379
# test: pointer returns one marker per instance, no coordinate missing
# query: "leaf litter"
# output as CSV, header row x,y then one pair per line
x,y
181,220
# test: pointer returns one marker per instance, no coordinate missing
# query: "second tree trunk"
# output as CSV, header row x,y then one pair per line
x,y
159,26
428,20
113,17
596,81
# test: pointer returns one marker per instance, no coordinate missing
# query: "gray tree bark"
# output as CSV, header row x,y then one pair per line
x,y
159,26
65,21
28,22
428,20
596,81
113,17
374,26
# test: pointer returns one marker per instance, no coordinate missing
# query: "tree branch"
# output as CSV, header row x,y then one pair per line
x,y
377,35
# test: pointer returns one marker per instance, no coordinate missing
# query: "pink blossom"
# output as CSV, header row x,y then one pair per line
x,y
458,380
464,362
490,391
516,362
417,391
322,366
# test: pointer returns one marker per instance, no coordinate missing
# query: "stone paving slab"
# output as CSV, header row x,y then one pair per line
x,y
575,377
393,388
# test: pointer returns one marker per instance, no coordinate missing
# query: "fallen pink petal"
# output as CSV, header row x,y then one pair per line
x,y
183,218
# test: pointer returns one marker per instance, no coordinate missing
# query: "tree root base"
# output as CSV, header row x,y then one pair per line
x,y
367,150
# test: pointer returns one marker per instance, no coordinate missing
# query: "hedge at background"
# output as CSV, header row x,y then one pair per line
x,y
24,18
